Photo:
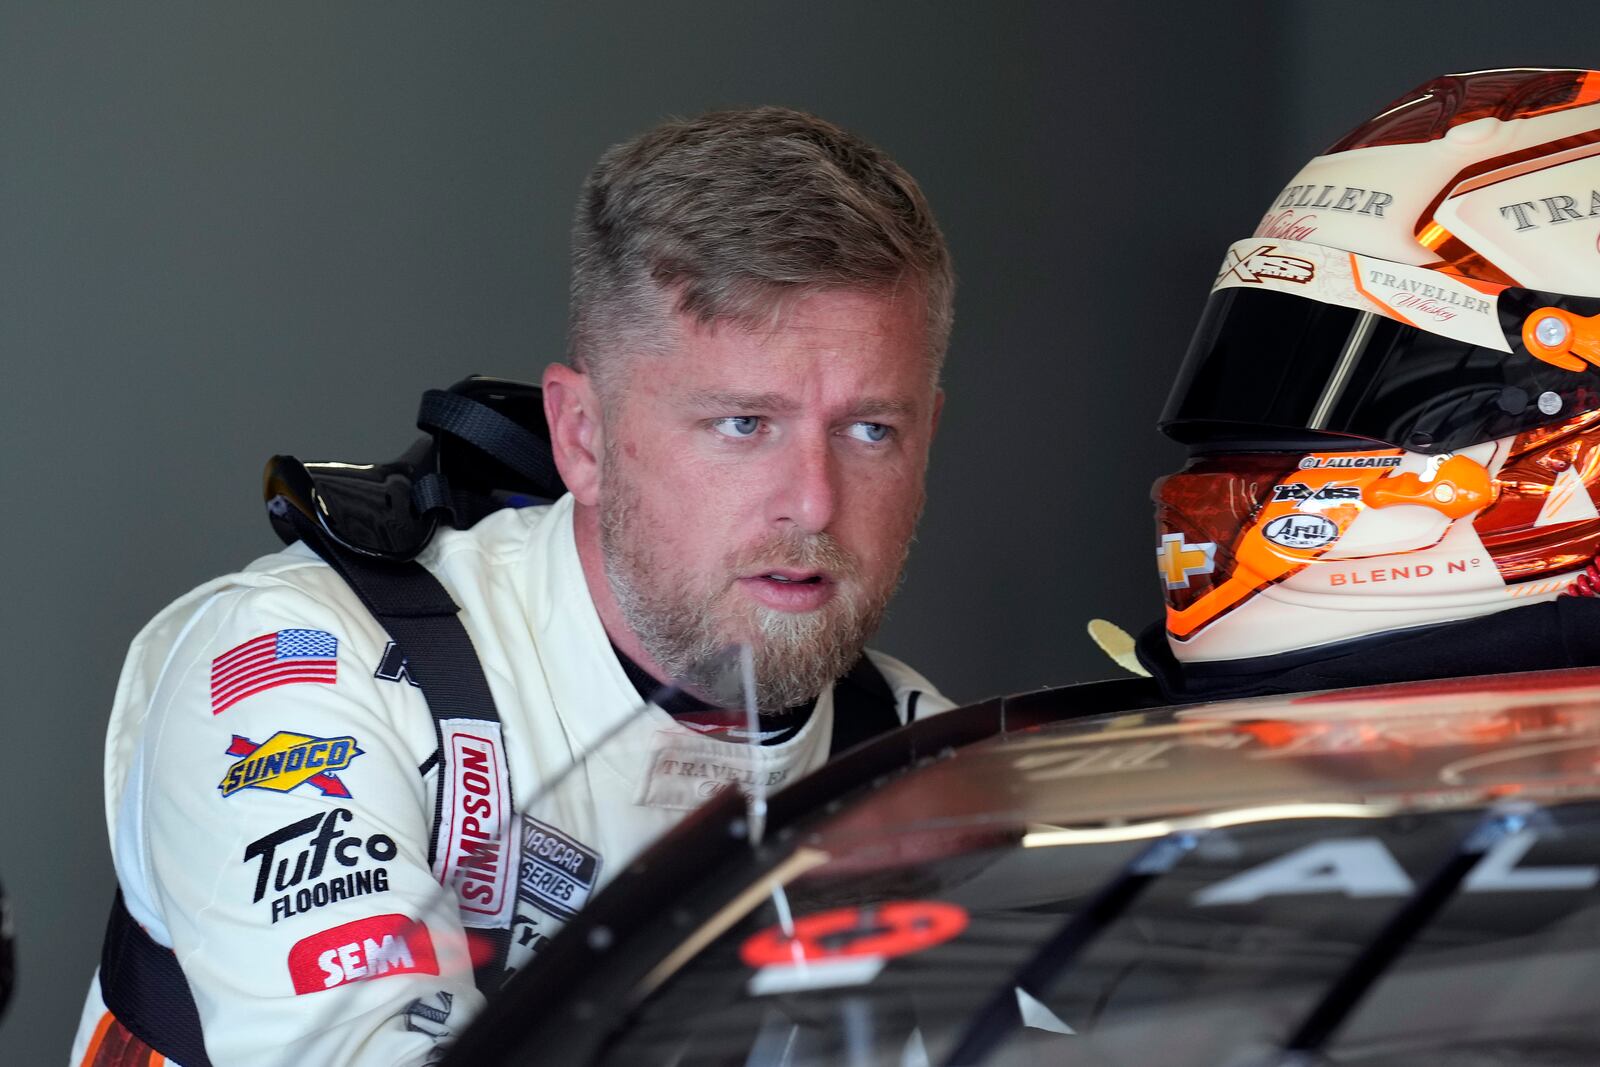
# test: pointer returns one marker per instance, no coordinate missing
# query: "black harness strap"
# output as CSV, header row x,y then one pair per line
x,y
143,986
423,620
864,706
425,624
491,433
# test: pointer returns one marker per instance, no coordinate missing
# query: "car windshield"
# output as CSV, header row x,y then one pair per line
x,y
1402,878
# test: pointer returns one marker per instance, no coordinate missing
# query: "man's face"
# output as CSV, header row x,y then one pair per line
x,y
762,487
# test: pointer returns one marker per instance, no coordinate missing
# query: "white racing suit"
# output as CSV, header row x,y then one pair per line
x,y
271,784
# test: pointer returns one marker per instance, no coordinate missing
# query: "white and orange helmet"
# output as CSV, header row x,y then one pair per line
x,y
1392,399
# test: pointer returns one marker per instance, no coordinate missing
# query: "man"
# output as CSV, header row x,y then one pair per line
x,y
1391,409
760,305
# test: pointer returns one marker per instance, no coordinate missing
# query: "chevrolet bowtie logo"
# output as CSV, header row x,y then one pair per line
x,y
1178,561
1267,262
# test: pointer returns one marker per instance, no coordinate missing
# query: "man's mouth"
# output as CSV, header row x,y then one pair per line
x,y
784,589
792,577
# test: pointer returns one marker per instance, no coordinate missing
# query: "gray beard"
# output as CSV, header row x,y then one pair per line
x,y
689,631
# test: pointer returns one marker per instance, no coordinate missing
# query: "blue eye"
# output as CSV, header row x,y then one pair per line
x,y
871,432
738,425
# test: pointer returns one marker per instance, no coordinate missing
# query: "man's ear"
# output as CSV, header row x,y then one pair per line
x,y
573,411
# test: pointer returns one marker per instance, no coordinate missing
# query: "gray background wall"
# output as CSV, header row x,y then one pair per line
x,y
228,230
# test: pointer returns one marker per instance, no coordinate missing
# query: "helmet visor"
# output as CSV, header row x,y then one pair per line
x,y
1265,362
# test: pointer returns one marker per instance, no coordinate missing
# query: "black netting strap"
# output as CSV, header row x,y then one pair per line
x,y
425,623
491,433
864,706
419,615
143,986
432,492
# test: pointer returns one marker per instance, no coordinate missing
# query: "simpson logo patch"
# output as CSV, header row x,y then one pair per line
x,y
477,854
287,761
557,873
361,951
285,657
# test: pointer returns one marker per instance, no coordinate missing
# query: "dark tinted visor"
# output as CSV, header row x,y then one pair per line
x,y
1267,364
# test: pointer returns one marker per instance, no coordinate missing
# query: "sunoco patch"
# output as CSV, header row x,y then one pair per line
x,y
287,761
557,873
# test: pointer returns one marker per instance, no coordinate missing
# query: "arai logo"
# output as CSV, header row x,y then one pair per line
x,y
1301,531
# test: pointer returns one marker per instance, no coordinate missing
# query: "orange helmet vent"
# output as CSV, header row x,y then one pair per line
x,y
1457,489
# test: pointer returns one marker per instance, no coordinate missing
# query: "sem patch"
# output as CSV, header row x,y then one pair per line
x,y
558,873
361,951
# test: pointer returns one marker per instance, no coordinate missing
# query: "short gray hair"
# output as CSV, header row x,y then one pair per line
x,y
731,215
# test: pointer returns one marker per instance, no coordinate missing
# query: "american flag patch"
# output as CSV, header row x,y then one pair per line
x,y
275,659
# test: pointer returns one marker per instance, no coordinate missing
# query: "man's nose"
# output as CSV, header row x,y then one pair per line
x,y
807,492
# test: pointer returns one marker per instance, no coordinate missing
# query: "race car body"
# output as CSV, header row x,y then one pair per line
x,y
1397,875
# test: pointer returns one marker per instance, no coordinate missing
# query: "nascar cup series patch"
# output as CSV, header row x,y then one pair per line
x,y
286,761
557,873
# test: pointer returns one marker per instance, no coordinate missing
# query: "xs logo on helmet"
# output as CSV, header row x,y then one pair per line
x,y
1299,491
1267,262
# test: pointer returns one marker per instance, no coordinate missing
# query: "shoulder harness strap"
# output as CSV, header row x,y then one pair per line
x,y
864,706
474,854
143,986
